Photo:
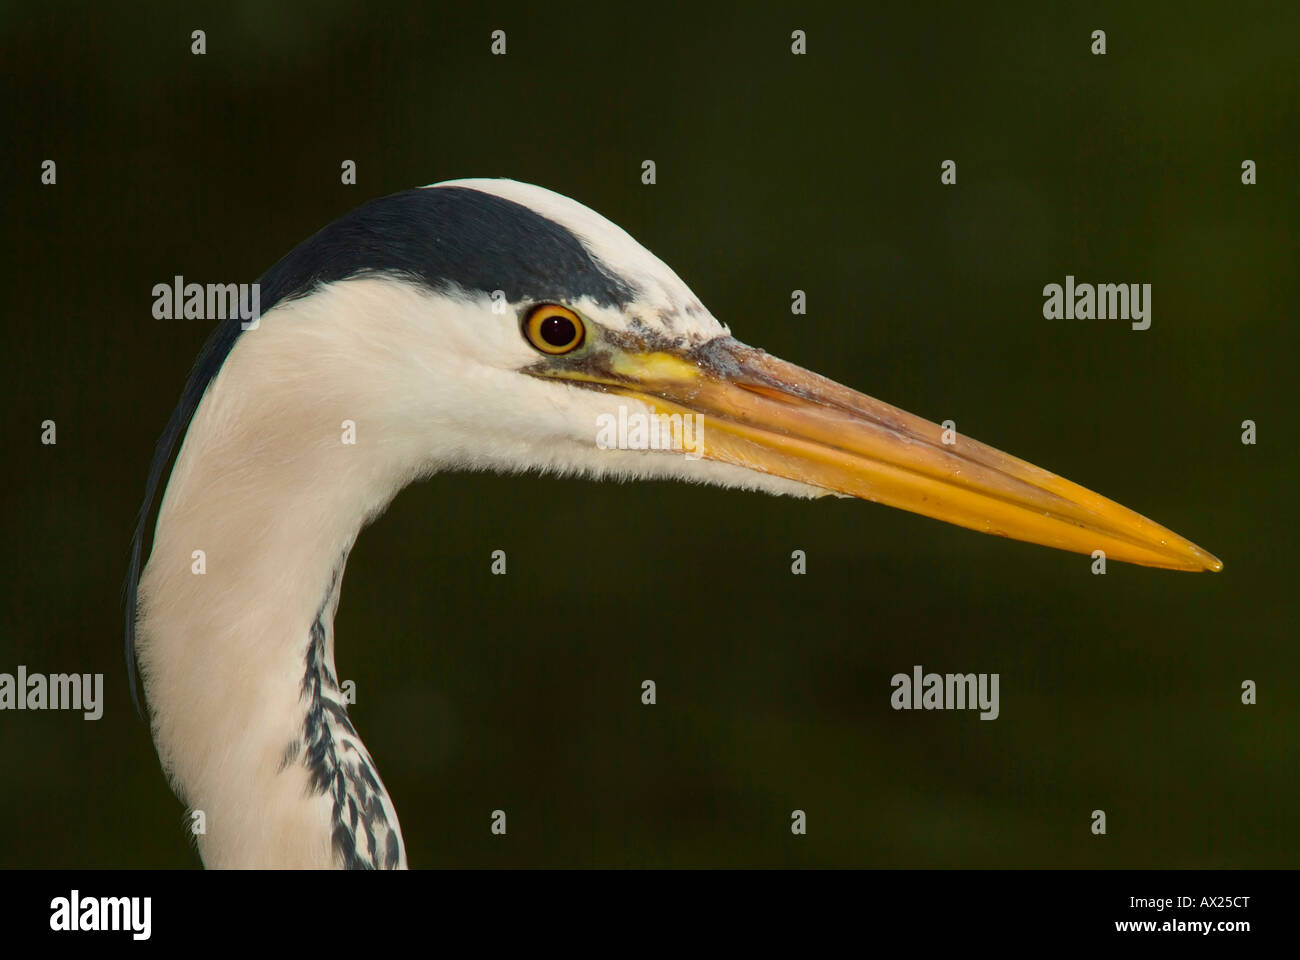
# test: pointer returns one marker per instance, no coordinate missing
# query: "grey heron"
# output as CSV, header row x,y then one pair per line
x,y
482,325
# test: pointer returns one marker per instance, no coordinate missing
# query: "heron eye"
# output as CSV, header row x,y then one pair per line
x,y
554,329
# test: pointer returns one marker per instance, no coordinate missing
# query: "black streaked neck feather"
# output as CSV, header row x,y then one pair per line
x,y
363,824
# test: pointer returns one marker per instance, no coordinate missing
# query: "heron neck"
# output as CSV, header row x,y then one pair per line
x,y
236,627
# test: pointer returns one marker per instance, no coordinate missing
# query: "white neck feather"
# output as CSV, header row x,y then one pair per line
x,y
238,661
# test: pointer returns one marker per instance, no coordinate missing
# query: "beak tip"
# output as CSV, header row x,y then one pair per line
x,y
1202,561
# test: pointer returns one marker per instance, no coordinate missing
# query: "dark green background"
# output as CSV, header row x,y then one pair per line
x,y
775,172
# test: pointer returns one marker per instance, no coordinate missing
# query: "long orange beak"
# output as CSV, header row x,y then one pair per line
x,y
768,415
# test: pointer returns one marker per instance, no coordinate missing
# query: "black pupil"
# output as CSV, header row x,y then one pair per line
x,y
558,331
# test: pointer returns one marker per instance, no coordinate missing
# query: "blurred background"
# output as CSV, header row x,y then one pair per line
x,y
775,172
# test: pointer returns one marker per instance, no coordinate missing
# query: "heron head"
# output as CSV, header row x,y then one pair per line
x,y
517,329
590,355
